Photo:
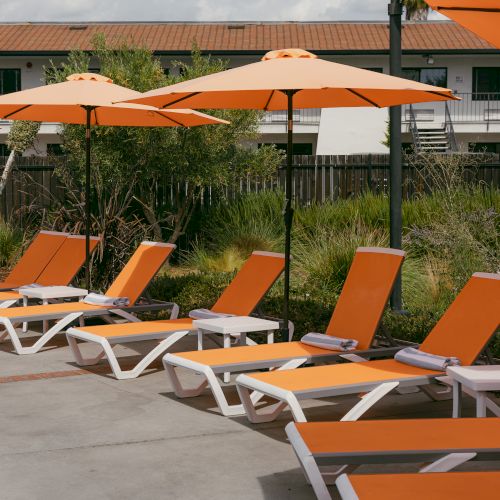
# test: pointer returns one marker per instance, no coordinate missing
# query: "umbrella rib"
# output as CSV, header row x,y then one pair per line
x,y
181,99
441,94
95,116
469,9
269,100
169,118
17,111
357,94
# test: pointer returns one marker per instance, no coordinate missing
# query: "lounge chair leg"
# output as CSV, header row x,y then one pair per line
x,y
307,463
77,353
448,462
368,400
52,332
271,412
179,390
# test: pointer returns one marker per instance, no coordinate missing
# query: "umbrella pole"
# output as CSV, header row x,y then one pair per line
x,y
88,110
288,215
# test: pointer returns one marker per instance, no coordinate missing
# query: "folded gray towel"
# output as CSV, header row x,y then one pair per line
x,y
207,314
97,299
421,359
329,342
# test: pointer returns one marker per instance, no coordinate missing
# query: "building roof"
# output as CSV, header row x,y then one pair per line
x,y
242,37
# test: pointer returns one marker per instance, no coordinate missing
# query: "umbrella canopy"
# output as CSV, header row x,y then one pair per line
x,y
318,84
67,102
482,17
292,79
87,99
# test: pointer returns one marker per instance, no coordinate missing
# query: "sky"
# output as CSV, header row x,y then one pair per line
x,y
193,10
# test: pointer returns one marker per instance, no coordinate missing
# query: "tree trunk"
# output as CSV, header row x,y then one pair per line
x,y
6,171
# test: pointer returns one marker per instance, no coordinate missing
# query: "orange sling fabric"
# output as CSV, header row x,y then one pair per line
x,y
469,322
140,270
434,486
365,294
252,282
66,262
366,436
35,258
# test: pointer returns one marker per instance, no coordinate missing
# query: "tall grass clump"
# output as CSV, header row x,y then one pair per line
x,y
11,240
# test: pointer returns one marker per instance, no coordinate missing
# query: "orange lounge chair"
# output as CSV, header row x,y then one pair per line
x,y
34,260
438,486
131,283
444,443
463,331
240,298
62,268
357,315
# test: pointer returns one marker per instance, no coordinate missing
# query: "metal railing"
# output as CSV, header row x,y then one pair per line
x,y
450,131
475,107
306,116
414,129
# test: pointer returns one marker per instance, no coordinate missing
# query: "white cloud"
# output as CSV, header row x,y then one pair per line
x,y
192,10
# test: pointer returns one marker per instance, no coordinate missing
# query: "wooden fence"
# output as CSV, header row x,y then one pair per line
x,y
315,179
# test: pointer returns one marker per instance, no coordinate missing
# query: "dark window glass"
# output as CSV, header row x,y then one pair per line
x,y
300,148
10,80
166,71
430,76
54,149
485,84
4,150
484,147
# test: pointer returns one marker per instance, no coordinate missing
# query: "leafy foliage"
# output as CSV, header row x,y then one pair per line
x,y
129,162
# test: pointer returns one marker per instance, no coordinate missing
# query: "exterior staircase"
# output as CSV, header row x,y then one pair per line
x,y
433,140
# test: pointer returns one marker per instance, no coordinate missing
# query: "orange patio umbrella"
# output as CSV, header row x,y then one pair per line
x,y
290,79
87,99
482,17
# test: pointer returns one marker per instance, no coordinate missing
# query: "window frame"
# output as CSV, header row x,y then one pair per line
x,y
18,78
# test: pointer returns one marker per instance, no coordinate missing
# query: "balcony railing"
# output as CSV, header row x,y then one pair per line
x,y
303,116
476,107
473,108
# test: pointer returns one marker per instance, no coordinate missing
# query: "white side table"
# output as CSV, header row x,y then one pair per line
x,y
48,293
235,326
476,381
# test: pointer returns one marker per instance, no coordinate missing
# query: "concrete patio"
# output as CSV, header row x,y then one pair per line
x,y
80,434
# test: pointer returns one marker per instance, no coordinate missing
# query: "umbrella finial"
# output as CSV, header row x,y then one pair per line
x,y
289,53
92,77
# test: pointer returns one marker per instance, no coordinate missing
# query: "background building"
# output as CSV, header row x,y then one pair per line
x,y
439,53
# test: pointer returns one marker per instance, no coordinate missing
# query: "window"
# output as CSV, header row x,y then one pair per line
x,y
4,150
484,147
299,148
10,80
485,84
431,76
166,71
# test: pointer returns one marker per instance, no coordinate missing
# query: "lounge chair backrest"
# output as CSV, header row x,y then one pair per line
x,y
365,294
251,283
469,323
140,270
67,261
36,257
